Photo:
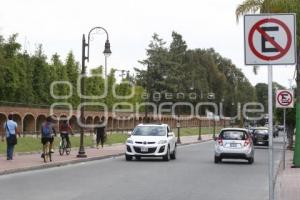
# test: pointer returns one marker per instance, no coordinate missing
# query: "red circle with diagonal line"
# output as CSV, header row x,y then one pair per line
x,y
282,50
280,98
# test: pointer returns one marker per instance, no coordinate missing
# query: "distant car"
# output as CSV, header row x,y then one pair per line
x,y
260,136
234,143
280,127
250,131
151,140
275,131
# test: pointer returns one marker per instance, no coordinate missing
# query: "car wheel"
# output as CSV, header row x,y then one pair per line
x,y
250,160
217,159
138,157
173,155
128,157
167,156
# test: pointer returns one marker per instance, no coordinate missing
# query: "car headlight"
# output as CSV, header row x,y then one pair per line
x,y
162,142
129,142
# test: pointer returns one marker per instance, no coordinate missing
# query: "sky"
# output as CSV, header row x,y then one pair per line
x,y
59,25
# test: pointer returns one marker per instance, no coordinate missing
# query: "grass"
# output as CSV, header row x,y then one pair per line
x,y
33,144
195,131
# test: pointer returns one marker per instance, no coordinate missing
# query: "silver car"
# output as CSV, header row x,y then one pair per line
x,y
234,143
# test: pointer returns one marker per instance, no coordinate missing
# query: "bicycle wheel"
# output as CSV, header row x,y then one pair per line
x,y
68,149
61,147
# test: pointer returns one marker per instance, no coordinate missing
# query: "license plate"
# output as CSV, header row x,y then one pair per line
x,y
233,145
144,149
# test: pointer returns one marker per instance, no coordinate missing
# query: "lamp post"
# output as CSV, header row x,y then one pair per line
x,y
106,52
147,94
123,72
232,121
211,97
178,127
192,88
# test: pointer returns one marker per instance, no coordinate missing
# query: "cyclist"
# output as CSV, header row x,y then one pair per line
x,y
48,131
64,130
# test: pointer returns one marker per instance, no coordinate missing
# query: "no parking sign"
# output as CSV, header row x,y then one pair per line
x,y
270,39
284,99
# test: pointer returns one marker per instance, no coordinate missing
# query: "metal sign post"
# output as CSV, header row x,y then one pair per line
x,y
284,99
270,39
284,137
270,110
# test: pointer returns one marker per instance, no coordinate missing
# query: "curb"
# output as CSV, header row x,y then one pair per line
x,y
197,142
73,148
58,164
79,160
277,179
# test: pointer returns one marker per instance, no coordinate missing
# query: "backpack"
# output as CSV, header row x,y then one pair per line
x,y
46,130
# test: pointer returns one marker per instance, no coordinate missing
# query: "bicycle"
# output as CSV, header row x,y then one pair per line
x,y
63,146
47,152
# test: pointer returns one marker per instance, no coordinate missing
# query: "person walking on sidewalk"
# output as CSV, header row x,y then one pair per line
x,y
100,134
11,131
48,132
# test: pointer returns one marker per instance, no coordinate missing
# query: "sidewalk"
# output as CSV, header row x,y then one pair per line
x,y
34,161
288,181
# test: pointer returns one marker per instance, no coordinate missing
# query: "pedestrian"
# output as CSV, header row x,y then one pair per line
x,y
47,132
10,127
100,134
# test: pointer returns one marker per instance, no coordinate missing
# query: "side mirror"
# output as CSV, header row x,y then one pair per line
x,y
129,133
171,134
215,138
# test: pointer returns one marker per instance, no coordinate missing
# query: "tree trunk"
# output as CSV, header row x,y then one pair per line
x,y
296,159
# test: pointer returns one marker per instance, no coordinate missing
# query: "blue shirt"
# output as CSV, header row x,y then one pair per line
x,y
11,125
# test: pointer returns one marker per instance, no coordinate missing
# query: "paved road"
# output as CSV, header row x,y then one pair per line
x,y
192,176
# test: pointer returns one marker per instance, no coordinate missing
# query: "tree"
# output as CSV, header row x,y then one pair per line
x,y
95,83
176,69
24,90
280,6
262,94
72,67
9,70
60,75
40,78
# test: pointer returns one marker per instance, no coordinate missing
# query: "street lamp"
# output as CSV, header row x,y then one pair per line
x,y
223,114
232,121
147,94
123,72
107,53
211,97
192,88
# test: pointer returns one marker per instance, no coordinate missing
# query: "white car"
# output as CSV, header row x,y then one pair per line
x,y
234,143
151,140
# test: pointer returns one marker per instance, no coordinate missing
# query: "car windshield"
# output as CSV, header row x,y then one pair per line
x,y
149,131
261,131
233,135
